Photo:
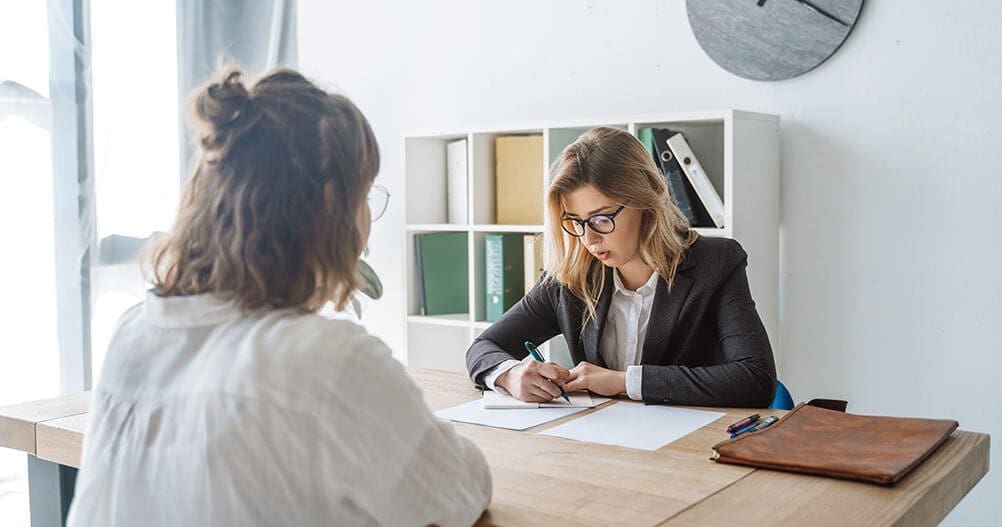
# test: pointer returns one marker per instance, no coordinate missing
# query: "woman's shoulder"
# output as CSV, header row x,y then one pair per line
x,y
313,335
715,255
554,291
298,355
712,246
341,359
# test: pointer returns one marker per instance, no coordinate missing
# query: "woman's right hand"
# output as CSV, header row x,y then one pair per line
x,y
534,381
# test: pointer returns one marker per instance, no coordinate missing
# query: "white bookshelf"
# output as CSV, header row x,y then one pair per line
x,y
739,151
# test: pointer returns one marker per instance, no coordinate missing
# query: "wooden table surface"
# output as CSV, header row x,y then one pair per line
x,y
542,480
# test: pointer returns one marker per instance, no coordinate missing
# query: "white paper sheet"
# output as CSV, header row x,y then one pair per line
x,y
496,400
516,419
635,425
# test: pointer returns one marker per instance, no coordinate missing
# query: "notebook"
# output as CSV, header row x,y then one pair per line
x,y
496,400
824,442
518,419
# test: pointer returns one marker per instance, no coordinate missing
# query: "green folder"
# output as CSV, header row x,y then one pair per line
x,y
505,280
646,136
443,271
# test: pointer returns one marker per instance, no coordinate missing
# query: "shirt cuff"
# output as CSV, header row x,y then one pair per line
x,y
634,382
493,374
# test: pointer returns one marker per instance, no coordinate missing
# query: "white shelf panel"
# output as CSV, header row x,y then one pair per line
x,y
437,227
461,320
486,227
437,347
509,228
632,120
739,150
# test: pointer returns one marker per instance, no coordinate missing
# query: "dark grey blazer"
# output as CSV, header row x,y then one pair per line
x,y
705,343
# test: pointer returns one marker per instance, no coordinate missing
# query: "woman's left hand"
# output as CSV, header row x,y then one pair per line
x,y
587,376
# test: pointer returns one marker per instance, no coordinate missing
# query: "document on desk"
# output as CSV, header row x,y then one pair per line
x,y
510,418
495,400
635,425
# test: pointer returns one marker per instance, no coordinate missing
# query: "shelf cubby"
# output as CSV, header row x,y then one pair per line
x,y
739,151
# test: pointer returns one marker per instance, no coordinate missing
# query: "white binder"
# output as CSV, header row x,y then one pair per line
x,y
457,204
698,178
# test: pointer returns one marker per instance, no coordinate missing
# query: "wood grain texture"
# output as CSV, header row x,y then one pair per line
x,y
61,440
588,484
556,481
17,422
923,497
542,480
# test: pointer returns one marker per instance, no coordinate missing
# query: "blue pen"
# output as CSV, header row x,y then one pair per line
x,y
744,429
765,423
536,355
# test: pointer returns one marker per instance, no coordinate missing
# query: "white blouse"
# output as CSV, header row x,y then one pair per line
x,y
206,416
626,324
622,339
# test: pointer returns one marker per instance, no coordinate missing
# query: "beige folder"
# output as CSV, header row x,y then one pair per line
x,y
519,177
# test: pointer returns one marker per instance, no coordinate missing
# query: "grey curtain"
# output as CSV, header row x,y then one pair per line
x,y
254,35
74,211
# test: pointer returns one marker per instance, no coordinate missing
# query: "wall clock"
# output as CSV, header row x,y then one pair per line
x,y
771,40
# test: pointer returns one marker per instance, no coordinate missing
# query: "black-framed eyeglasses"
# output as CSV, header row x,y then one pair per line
x,y
378,200
600,223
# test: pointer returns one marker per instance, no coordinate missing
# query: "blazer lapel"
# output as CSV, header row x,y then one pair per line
x,y
593,330
664,311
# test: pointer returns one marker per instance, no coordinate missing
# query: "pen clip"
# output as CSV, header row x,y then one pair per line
x,y
533,350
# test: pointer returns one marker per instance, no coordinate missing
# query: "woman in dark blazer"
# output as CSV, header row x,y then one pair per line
x,y
647,306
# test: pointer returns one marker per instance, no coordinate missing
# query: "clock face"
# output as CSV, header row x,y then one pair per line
x,y
771,39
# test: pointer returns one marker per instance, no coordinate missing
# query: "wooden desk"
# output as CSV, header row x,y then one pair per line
x,y
576,483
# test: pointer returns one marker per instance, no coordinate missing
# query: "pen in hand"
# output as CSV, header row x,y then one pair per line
x,y
537,356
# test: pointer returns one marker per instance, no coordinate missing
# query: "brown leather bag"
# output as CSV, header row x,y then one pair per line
x,y
824,442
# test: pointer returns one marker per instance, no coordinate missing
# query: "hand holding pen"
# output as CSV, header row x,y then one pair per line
x,y
534,351
534,380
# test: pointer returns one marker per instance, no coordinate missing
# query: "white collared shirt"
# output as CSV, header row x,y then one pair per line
x,y
626,324
208,416
622,338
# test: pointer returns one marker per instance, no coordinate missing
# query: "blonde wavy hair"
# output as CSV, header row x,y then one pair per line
x,y
617,164
269,215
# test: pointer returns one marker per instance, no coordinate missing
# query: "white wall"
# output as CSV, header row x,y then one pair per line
x,y
892,251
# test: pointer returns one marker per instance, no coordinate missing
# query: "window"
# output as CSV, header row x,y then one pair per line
x,y
71,230
136,156
29,358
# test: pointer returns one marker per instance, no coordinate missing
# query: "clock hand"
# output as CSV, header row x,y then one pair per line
x,y
820,11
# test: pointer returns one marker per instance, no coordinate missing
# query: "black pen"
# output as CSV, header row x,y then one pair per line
x,y
765,423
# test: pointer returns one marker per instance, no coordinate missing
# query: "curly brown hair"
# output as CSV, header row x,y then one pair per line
x,y
269,217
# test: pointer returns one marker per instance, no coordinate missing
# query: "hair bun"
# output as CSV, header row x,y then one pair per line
x,y
219,105
222,102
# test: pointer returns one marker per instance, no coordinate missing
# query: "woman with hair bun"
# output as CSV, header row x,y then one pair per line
x,y
225,399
